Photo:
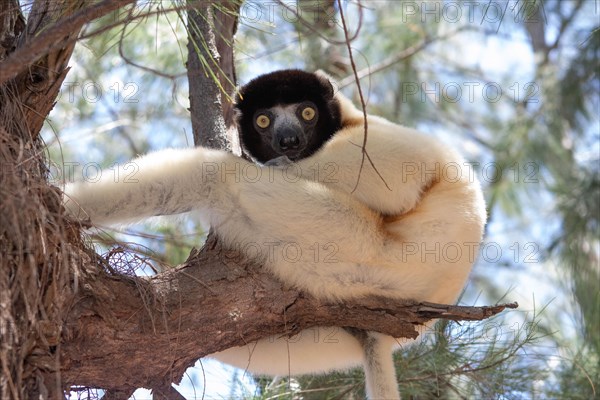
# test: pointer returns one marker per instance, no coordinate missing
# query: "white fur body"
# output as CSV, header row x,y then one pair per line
x,y
412,233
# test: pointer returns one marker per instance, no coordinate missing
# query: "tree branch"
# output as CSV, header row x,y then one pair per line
x,y
60,34
399,57
203,67
214,301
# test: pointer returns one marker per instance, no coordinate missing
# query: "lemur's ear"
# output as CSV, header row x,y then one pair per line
x,y
325,78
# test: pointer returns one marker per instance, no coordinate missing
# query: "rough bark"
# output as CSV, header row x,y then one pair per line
x,y
210,55
12,24
203,66
35,248
226,20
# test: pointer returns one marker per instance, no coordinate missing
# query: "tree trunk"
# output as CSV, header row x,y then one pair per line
x,y
37,264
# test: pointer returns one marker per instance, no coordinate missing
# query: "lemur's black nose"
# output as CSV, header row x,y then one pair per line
x,y
289,137
289,142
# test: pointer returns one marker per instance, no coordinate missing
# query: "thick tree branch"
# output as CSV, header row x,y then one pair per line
x,y
126,332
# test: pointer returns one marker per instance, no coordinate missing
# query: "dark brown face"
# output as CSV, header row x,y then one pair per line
x,y
286,113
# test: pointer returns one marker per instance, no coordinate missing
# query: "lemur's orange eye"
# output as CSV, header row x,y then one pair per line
x,y
263,121
308,113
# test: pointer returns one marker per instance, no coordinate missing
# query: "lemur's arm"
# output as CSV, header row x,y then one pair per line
x,y
244,202
161,183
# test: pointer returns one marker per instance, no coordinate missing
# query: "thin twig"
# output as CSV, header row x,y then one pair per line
x,y
396,58
363,105
129,61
